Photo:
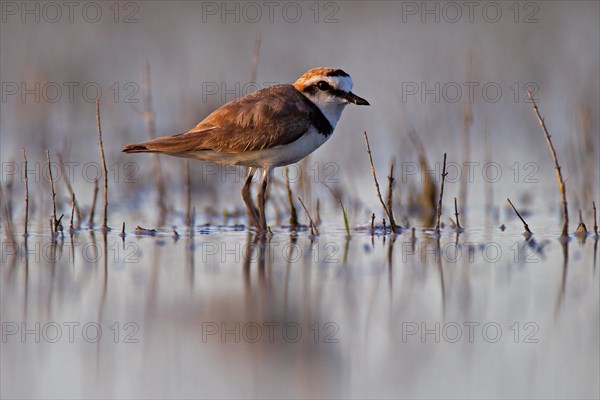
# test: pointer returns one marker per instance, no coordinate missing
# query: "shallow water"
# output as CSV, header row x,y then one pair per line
x,y
220,313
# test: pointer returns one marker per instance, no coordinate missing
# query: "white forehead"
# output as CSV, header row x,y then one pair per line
x,y
338,82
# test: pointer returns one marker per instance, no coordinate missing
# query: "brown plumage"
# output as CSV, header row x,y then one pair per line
x,y
245,124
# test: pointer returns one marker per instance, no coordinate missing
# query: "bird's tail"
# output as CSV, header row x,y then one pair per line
x,y
137,148
166,144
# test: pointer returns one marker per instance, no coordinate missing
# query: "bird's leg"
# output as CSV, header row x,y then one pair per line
x,y
247,196
261,199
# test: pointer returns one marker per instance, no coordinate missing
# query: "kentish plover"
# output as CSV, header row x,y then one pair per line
x,y
275,126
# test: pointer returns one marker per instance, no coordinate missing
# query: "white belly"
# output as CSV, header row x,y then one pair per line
x,y
273,157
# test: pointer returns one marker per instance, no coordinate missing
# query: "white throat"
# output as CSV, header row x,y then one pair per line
x,y
332,111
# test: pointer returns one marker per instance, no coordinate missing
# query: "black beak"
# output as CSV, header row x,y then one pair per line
x,y
352,98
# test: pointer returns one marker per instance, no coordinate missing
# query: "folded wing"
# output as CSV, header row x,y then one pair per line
x,y
270,117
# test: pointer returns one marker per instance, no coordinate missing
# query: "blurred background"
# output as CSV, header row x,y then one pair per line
x,y
441,77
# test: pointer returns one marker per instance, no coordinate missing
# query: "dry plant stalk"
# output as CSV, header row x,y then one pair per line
x,y
93,210
458,227
344,213
61,165
525,226
73,208
293,214
439,206
559,177
595,220
385,208
372,223
390,196
581,228
53,193
26,222
104,171
313,228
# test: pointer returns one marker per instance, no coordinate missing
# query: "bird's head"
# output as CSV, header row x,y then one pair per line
x,y
330,89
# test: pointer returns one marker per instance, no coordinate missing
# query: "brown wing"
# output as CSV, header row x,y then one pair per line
x,y
270,117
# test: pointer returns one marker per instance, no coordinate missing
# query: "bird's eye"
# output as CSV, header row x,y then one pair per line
x,y
322,85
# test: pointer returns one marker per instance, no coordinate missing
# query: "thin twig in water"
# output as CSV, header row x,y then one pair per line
x,y
390,196
458,227
559,177
104,171
387,211
525,226
53,193
439,207
73,208
93,210
26,191
581,228
595,220
372,223
59,224
344,213
313,228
